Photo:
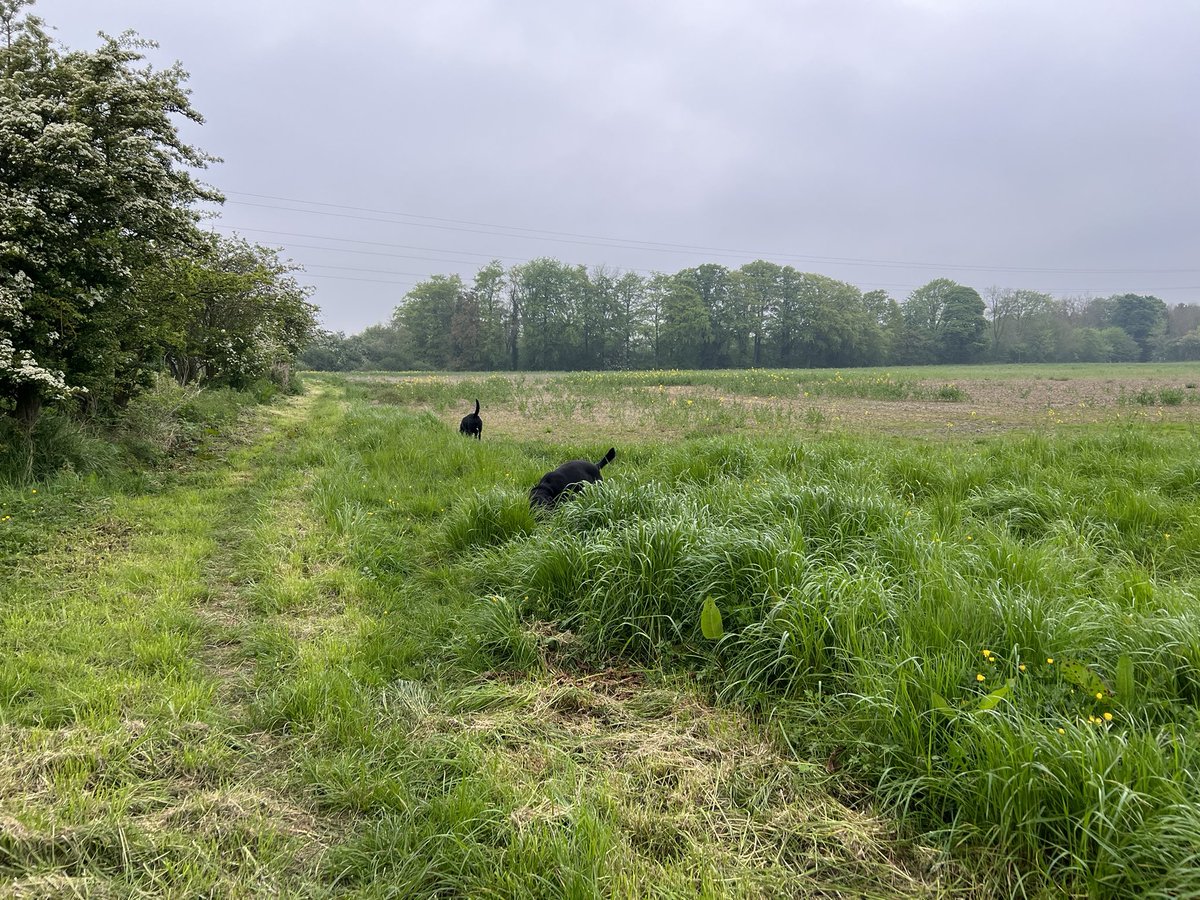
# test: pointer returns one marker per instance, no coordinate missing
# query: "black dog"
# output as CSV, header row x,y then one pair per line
x,y
570,476
471,424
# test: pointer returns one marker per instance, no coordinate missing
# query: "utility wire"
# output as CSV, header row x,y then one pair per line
x,y
301,275
374,271
518,259
465,262
325,237
659,246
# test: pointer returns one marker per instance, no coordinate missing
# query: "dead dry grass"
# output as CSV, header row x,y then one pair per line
x,y
686,784
544,407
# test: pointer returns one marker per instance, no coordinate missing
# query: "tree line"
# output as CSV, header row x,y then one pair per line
x,y
106,277
546,314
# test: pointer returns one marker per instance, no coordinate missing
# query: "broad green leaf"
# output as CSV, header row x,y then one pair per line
x,y
710,620
939,703
1126,683
1078,673
990,701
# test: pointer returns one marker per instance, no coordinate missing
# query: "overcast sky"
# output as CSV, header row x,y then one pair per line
x,y
1010,143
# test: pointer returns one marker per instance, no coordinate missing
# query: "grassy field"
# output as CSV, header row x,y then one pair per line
x,y
920,401
960,651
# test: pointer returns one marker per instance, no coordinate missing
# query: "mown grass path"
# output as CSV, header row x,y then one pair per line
x,y
260,678
128,766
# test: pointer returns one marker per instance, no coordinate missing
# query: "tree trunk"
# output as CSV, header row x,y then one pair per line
x,y
29,406
28,410
514,333
186,369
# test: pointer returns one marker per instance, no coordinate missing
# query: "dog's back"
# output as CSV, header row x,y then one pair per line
x,y
570,476
471,424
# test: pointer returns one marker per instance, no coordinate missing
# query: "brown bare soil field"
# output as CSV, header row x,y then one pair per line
x,y
565,407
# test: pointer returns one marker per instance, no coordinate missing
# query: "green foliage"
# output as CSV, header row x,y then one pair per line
x,y
1165,396
161,424
710,620
1144,319
236,313
96,187
1024,326
944,323
550,315
57,443
344,659
494,637
1185,347
104,275
951,393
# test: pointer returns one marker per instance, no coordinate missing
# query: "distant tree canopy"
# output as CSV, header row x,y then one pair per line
x,y
105,277
546,314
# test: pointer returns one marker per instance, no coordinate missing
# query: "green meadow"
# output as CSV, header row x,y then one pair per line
x,y
915,632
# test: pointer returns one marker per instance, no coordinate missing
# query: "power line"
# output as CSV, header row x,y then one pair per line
x,y
525,259
300,275
465,262
375,271
461,262
529,237
661,246
325,237
518,259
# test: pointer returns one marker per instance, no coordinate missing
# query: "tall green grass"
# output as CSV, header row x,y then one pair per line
x,y
350,660
465,754
1002,638
163,423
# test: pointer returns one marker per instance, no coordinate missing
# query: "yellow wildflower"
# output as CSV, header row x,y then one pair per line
x,y
979,677
1108,717
1050,660
1021,667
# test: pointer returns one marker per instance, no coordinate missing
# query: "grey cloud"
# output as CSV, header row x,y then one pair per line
x,y
986,134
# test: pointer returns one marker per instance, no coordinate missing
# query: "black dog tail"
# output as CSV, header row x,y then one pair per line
x,y
476,407
608,457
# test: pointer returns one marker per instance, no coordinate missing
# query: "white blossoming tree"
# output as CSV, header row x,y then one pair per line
x,y
20,373
95,186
